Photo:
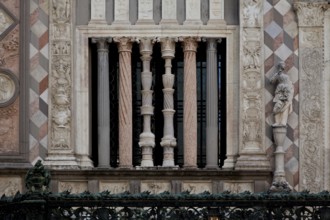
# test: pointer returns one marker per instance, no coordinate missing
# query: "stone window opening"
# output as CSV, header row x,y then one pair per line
x,y
157,120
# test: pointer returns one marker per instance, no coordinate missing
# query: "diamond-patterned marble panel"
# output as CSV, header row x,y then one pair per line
x,y
39,77
281,35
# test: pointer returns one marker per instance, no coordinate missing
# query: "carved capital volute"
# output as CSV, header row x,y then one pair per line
x,y
310,14
190,43
212,43
124,43
146,45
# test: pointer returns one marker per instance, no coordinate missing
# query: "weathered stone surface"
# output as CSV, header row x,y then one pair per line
x,y
10,185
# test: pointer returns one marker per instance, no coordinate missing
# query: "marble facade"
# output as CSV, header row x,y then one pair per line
x,y
56,127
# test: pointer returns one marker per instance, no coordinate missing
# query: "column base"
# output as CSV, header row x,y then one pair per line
x,y
125,167
229,163
61,162
253,162
190,168
212,167
84,162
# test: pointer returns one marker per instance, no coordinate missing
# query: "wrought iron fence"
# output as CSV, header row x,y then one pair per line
x,y
38,203
104,205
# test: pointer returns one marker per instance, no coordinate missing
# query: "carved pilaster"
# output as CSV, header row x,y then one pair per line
x,y
147,138
60,151
251,151
190,102
168,141
125,101
311,86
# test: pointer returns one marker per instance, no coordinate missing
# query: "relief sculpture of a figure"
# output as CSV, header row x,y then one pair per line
x,y
283,96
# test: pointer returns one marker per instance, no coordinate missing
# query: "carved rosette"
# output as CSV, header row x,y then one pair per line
x,y
60,77
311,83
252,84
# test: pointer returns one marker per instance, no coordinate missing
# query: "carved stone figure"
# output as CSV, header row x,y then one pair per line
x,y
37,179
283,96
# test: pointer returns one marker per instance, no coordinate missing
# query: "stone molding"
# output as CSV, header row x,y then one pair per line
x,y
252,120
311,83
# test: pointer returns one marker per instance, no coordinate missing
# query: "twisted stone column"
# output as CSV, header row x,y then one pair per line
x,y
147,138
125,102
212,106
103,102
168,141
190,103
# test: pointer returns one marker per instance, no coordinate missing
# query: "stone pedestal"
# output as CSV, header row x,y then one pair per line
x,y
193,12
216,13
145,12
98,10
169,10
121,12
279,181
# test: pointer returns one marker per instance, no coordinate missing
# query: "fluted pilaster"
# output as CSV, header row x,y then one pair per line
x,y
125,102
190,103
147,138
168,141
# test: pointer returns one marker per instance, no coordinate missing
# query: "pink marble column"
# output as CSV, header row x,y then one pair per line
x,y
190,103
125,102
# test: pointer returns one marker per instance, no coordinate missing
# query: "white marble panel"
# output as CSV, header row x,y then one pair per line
x,y
195,187
155,187
145,12
238,187
121,12
114,187
10,185
98,12
73,186
169,10
193,12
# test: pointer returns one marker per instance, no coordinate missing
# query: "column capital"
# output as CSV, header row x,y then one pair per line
x,y
146,44
124,43
168,47
212,43
310,13
102,42
190,43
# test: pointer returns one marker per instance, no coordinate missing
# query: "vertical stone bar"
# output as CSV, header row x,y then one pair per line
x,y
169,9
190,103
212,106
98,11
121,12
168,141
145,13
311,100
216,12
193,12
125,102
147,138
252,121
103,102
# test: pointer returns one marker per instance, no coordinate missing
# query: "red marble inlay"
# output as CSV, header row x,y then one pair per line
x,y
43,85
278,41
43,40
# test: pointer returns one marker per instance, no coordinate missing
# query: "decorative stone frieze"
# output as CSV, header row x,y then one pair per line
x,y
114,186
9,186
216,12
168,141
147,138
311,86
252,152
73,186
238,187
125,101
61,150
195,187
